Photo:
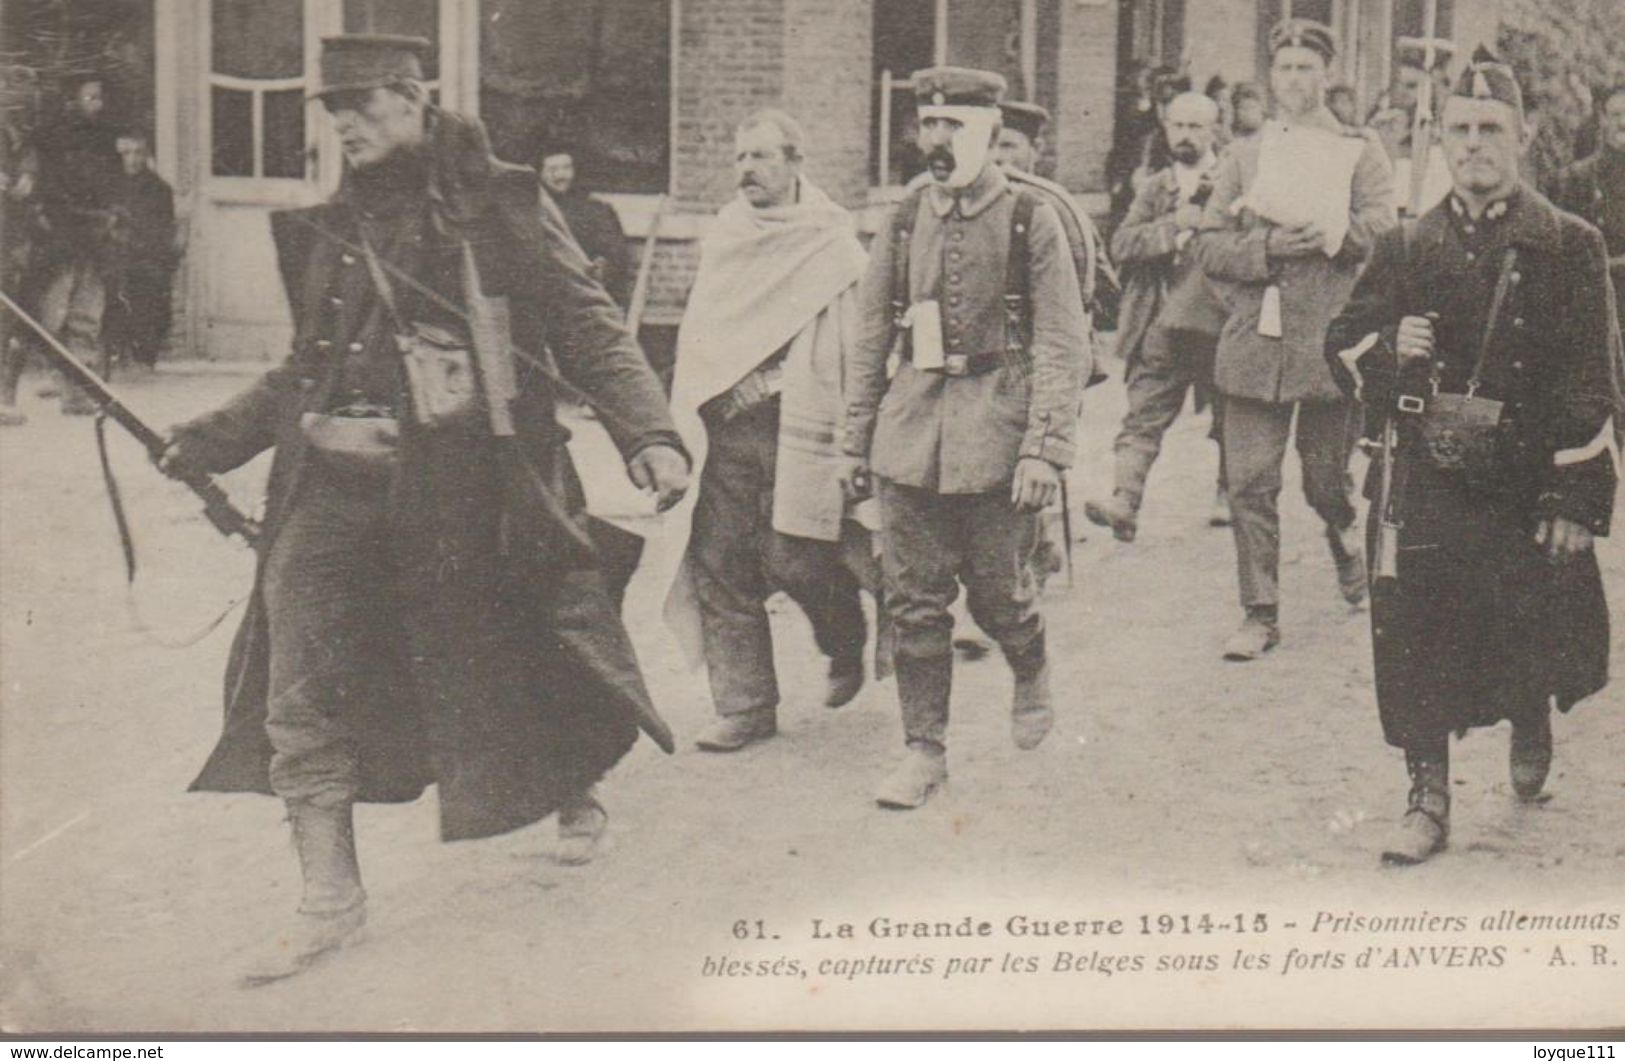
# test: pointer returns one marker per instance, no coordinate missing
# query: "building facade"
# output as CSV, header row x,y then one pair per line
x,y
650,90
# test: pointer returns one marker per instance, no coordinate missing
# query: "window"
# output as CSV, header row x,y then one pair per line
x,y
1319,10
905,40
1152,32
1410,15
257,88
595,74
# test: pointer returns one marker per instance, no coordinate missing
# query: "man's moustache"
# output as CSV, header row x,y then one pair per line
x,y
941,155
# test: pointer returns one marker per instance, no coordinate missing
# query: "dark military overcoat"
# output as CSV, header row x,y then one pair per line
x,y
552,703
1482,625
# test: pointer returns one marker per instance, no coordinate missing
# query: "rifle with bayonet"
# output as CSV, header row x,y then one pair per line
x,y
217,506
1385,564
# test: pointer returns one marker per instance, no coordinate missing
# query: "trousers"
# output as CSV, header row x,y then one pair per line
x,y
1170,363
1255,440
738,560
930,544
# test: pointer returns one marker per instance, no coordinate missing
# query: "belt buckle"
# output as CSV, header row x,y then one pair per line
x,y
1410,403
956,364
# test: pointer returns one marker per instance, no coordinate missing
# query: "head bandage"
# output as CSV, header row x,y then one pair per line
x,y
972,141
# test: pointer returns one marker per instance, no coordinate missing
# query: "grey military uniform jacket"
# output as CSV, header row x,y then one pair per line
x,y
1163,284
964,434
1230,248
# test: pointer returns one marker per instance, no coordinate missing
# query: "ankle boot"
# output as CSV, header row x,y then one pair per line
x,y
333,908
1425,828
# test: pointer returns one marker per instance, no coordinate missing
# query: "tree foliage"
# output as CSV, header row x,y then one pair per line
x,y
1566,52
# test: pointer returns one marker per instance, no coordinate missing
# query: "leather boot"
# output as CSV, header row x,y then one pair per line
x,y
1425,829
924,687
1531,755
729,733
1031,716
923,770
1118,513
1348,553
582,824
1259,632
334,905
845,680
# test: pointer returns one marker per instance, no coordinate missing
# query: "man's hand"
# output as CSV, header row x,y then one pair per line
x,y
1036,484
1295,241
1563,539
175,462
660,470
1188,216
856,483
1414,339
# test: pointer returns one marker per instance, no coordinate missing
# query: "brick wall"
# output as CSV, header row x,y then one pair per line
x,y
730,61
810,57
827,86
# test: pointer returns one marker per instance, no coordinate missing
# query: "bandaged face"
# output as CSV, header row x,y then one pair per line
x,y
956,141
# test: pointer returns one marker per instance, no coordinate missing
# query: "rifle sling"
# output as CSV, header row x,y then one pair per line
x,y
126,540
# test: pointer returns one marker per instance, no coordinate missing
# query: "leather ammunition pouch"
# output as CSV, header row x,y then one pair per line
x,y
439,363
1460,434
439,376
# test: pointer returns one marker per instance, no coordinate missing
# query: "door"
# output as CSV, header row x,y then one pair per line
x,y
266,146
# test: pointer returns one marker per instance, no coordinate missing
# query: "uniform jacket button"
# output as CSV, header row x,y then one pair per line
x,y
355,348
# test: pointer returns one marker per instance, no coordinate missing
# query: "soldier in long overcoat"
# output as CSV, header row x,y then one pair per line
x,y
1497,611
429,605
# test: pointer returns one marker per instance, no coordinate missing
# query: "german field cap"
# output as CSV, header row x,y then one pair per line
x,y
1303,33
1413,51
1487,77
957,86
1028,119
360,61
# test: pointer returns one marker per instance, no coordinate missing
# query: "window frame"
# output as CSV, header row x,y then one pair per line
x,y
885,84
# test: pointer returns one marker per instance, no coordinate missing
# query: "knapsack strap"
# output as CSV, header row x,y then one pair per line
x,y
902,236
1018,303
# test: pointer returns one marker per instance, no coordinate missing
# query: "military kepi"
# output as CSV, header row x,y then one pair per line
x,y
1028,119
356,62
957,86
1487,77
1304,33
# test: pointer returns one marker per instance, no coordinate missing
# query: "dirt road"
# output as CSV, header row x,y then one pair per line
x,y
1174,782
